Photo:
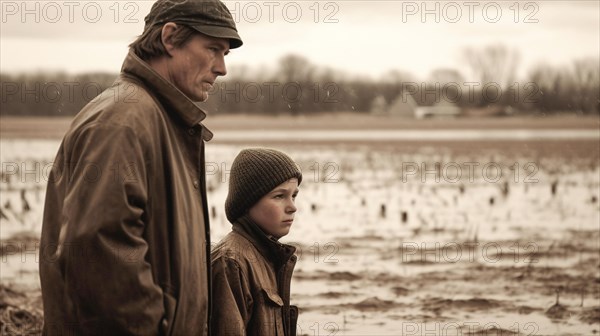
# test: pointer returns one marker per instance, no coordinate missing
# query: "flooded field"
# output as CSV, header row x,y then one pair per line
x,y
418,238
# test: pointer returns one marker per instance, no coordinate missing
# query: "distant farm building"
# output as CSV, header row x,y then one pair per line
x,y
489,111
405,106
443,108
379,105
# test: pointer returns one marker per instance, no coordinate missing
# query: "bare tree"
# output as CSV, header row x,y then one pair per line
x,y
296,75
586,82
553,86
575,88
294,68
493,64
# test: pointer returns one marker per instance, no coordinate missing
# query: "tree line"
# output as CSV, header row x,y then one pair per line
x,y
295,86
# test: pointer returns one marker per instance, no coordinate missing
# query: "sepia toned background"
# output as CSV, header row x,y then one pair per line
x,y
450,153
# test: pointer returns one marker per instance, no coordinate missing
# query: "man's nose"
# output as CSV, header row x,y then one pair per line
x,y
219,67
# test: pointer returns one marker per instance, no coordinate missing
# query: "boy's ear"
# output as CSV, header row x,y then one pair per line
x,y
166,37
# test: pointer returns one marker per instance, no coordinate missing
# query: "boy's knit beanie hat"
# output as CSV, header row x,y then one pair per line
x,y
254,173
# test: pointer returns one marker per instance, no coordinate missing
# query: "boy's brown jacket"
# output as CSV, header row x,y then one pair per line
x,y
251,284
125,236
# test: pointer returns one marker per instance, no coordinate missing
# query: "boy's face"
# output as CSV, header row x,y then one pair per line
x,y
274,212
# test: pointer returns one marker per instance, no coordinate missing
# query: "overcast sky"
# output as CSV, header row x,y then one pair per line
x,y
359,37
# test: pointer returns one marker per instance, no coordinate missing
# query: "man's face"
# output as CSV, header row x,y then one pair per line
x,y
195,66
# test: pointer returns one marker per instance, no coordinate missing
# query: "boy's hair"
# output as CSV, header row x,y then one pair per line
x,y
254,173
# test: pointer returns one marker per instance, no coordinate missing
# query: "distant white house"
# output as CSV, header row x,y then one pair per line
x,y
405,106
379,105
443,108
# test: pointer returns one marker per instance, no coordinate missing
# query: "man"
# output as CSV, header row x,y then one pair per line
x,y
125,242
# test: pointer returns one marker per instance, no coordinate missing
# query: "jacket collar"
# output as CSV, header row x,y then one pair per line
x,y
268,246
190,113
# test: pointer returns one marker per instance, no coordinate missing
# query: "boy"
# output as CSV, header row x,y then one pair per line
x,y
251,269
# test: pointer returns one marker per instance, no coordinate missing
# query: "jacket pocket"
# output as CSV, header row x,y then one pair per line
x,y
274,305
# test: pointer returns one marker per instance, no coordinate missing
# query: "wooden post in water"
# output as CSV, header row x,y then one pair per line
x,y
382,211
505,189
553,187
26,206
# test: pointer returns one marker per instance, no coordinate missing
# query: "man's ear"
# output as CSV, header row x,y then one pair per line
x,y
166,36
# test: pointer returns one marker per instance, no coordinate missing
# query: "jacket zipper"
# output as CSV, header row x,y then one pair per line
x,y
286,279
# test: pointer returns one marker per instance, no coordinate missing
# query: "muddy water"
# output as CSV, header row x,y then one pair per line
x,y
419,241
